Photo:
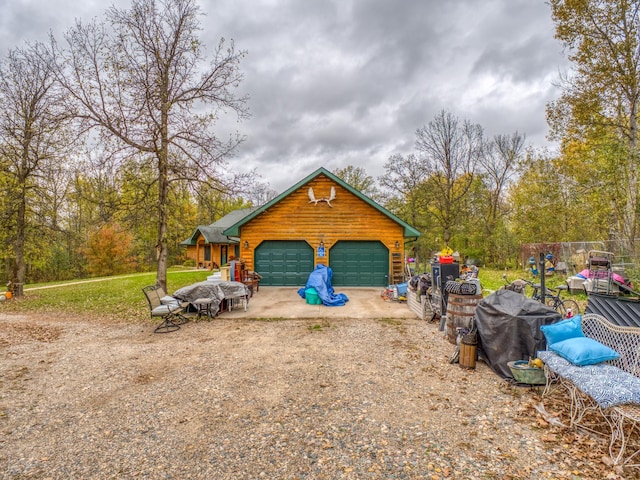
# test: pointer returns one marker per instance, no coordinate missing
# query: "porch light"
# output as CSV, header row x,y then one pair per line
x,y
246,244
397,244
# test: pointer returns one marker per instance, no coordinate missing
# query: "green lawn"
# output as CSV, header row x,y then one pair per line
x,y
492,280
118,297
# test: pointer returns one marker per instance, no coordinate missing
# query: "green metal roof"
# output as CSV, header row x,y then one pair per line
x,y
234,230
214,233
211,235
233,217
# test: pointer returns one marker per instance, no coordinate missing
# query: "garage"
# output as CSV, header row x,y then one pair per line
x,y
284,262
322,220
359,264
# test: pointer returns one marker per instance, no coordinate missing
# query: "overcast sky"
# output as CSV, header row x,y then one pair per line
x,y
347,82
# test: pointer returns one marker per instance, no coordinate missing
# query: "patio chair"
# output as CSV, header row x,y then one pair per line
x,y
169,309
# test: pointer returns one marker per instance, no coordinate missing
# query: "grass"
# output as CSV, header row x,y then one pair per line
x,y
120,297
390,321
492,280
114,297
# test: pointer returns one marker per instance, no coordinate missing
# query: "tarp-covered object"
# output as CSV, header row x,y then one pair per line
x,y
214,290
509,329
320,279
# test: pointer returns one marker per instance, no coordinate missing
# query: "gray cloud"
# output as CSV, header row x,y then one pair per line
x,y
339,82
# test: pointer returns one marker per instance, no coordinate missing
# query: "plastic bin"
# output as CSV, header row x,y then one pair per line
x,y
311,295
523,373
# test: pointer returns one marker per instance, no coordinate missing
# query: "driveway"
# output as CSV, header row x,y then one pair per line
x,y
284,302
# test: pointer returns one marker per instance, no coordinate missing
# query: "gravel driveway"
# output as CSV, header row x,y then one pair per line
x,y
237,398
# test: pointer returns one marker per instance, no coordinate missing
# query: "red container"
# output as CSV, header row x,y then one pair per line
x,y
446,259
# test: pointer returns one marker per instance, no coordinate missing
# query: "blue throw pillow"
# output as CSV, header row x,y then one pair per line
x,y
557,332
583,351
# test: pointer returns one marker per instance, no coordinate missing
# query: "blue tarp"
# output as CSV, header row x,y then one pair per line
x,y
320,279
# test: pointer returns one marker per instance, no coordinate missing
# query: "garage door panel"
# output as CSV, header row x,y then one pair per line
x,y
284,263
360,263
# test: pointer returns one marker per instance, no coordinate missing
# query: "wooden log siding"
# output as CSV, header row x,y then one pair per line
x,y
295,218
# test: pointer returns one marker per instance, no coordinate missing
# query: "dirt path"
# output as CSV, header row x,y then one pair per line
x,y
238,398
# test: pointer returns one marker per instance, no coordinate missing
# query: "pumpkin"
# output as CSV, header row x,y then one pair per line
x,y
8,295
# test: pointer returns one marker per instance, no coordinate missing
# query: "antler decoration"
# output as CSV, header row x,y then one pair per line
x,y
314,200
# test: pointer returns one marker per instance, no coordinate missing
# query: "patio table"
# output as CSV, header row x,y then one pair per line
x,y
216,291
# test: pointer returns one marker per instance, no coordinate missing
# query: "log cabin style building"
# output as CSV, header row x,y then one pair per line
x,y
319,220
209,247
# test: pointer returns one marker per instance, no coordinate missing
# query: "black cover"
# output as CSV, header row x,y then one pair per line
x,y
509,329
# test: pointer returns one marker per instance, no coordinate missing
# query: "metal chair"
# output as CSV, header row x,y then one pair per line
x,y
169,309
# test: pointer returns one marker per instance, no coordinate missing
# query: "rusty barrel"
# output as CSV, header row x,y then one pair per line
x,y
460,311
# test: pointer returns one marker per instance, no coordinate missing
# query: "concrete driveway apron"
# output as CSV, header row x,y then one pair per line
x,y
284,302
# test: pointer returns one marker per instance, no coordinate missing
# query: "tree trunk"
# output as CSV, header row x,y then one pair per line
x,y
629,222
163,195
162,248
19,267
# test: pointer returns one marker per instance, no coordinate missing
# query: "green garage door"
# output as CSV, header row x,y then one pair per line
x,y
284,263
359,264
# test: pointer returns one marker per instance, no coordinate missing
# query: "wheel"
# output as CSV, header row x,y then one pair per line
x,y
565,305
551,301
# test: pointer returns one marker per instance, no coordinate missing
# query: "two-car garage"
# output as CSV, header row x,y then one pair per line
x,y
354,263
322,220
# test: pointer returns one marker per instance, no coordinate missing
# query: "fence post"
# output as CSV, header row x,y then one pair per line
x,y
543,290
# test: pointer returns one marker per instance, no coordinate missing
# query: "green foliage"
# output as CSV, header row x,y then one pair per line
x,y
357,177
537,203
597,112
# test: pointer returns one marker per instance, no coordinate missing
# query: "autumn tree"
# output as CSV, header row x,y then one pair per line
x,y
109,251
358,178
142,81
547,206
402,193
33,126
599,104
404,175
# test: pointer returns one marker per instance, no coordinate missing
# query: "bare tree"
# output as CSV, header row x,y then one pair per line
x,y
260,194
140,81
499,162
33,125
450,151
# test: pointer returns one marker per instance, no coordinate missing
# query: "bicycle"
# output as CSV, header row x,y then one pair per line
x,y
552,296
565,307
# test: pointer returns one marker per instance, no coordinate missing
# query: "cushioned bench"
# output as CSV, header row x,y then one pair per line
x,y
610,388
